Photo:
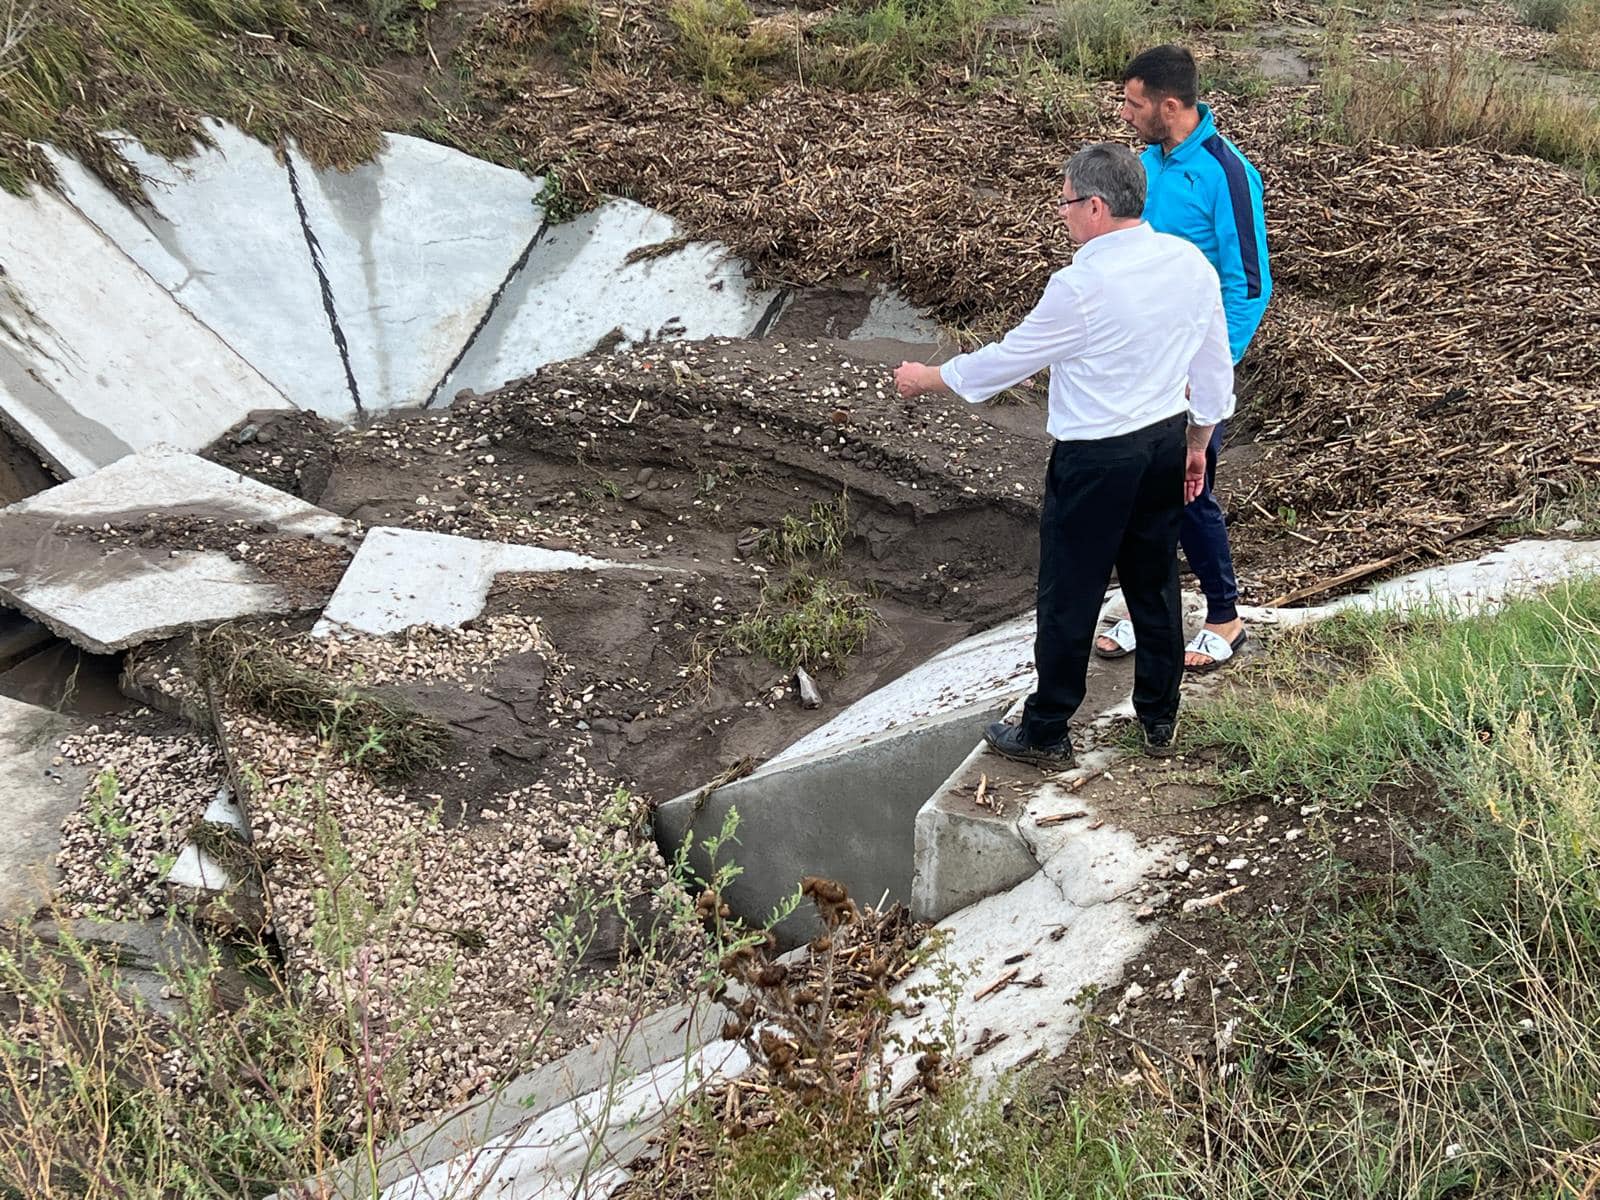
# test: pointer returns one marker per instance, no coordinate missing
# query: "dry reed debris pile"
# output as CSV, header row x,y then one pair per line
x,y
1428,365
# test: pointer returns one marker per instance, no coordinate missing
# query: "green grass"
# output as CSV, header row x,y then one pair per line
x,y
884,44
805,622
1458,97
1096,40
820,534
153,68
1403,719
716,46
1426,1034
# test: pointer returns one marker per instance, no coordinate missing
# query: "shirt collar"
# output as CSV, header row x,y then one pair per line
x,y
1108,242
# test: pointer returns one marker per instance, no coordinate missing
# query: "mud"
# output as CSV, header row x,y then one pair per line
x,y
679,457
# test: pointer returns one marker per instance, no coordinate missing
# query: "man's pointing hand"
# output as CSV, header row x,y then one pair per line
x,y
913,379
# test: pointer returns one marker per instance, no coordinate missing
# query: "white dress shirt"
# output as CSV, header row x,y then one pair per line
x,y
1132,325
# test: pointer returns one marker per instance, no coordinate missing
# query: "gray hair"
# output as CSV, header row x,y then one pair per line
x,y
1111,172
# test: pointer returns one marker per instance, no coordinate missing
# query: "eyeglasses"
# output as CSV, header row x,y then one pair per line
x,y
1078,200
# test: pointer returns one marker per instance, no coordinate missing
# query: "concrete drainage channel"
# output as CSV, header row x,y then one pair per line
x,y
401,284
249,284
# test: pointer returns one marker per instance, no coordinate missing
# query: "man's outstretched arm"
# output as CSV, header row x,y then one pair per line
x,y
1053,331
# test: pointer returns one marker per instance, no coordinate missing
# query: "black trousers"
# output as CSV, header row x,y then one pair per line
x,y
1114,502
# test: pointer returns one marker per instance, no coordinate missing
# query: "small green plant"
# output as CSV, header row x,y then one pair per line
x,y
821,535
805,622
717,47
107,814
556,199
878,44
1096,40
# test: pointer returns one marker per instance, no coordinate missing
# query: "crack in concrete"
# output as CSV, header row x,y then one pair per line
x,y
488,313
328,307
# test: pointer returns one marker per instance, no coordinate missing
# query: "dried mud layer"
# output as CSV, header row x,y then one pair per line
x,y
677,459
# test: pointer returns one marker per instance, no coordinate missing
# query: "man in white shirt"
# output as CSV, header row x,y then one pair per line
x,y
1137,345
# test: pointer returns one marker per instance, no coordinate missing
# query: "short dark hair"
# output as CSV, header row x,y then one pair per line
x,y
1167,70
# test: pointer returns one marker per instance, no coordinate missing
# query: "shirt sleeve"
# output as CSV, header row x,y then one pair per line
x,y
1053,331
1211,371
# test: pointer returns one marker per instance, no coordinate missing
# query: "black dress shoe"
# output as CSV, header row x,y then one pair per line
x,y
1008,740
1160,738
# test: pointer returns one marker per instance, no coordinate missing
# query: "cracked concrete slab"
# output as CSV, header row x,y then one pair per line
x,y
987,669
405,577
598,276
96,361
415,244
222,237
106,597
40,792
865,794
499,1131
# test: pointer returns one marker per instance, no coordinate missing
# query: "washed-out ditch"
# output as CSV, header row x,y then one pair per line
x,y
381,551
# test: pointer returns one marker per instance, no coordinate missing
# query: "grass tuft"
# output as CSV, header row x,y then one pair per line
x,y
1425,681
719,47
881,44
381,735
805,622
820,535
1458,97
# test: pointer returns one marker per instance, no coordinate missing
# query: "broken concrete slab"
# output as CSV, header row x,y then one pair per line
x,y
96,360
580,1151
197,871
865,794
415,245
657,1040
987,670
1030,962
146,953
40,790
597,276
260,293
20,637
405,577
105,598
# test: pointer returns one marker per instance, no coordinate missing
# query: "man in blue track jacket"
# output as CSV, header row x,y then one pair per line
x,y
1200,188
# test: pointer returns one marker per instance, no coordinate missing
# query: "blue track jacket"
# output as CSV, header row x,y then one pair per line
x,y
1206,192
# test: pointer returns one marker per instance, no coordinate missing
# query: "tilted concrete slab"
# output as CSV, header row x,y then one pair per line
x,y
865,795
222,235
105,598
458,1140
415,244
38,794
405,577
578,286
1065,932
96,360
983,670
581,1150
